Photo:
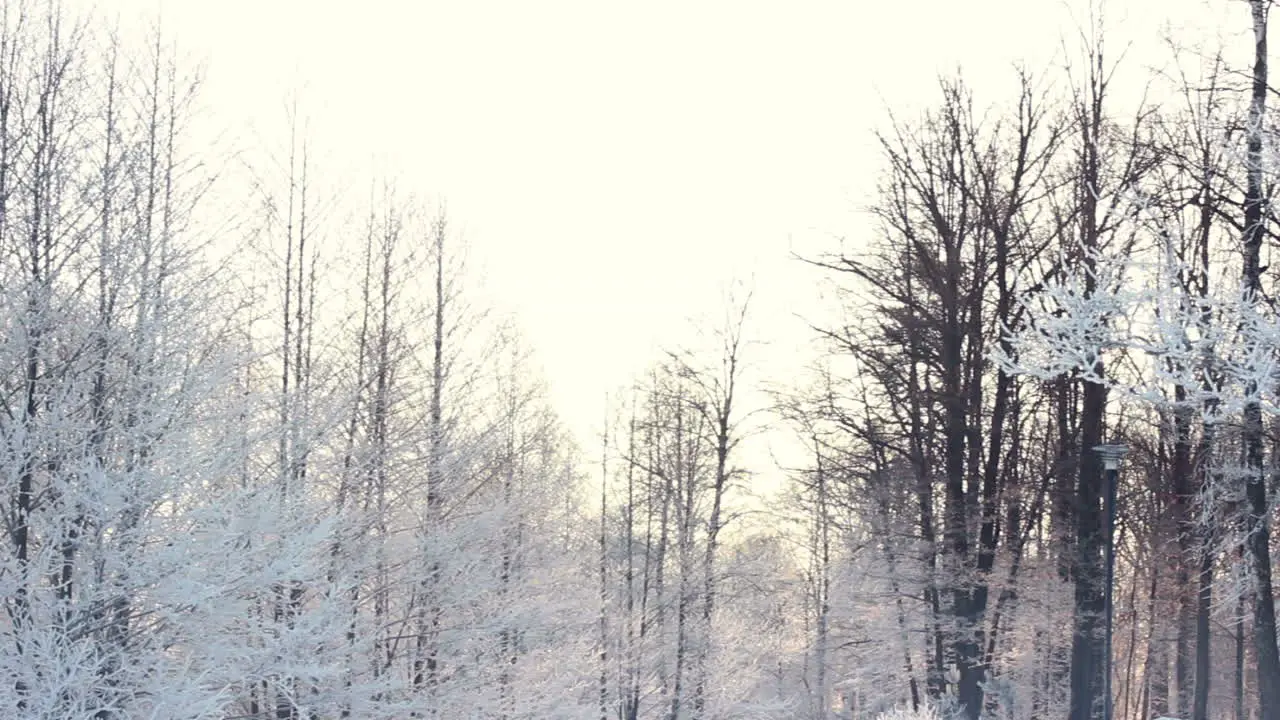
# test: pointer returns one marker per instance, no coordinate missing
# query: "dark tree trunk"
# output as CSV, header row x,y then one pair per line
x,y
1258,543
1088,647
1183,530
1204,607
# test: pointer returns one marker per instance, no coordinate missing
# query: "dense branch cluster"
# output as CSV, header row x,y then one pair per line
x,y
1049,277
238,483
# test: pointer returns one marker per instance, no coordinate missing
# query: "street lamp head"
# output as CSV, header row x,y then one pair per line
x,y
1111,455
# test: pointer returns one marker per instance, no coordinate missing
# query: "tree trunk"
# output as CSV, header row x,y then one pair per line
x,y
1184,532
1087,648
1258,542
1204,640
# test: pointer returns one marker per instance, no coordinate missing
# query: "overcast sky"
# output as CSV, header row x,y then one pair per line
x,y
614,165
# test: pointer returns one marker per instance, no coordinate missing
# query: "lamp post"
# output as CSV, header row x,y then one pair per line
x,y
1112,455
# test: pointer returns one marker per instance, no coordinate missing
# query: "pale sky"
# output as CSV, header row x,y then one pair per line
x,y
614,165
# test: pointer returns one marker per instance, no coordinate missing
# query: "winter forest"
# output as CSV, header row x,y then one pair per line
x,y
265,451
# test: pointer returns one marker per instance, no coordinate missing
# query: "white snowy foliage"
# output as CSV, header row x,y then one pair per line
x,y
1221,349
